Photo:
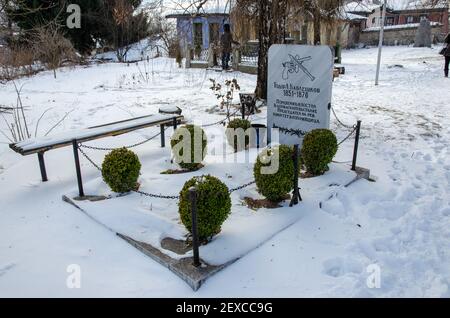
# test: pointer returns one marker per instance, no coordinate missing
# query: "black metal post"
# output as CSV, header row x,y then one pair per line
x,y
258,128
42,167
175,124
355,150
296,197
243,110
78,168
257,138
163,136
195,243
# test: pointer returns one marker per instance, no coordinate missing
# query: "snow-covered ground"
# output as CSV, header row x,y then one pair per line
x,y
401,223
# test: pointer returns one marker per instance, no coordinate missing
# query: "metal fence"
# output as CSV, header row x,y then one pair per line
x,y
249,54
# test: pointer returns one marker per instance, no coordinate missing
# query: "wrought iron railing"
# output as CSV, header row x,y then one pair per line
x,y
249,53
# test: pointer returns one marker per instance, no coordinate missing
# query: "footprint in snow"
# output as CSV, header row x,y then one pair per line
x,y
32,184
5,268
337,267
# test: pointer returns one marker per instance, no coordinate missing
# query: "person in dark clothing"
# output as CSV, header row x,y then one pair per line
x,y
226,41
446,54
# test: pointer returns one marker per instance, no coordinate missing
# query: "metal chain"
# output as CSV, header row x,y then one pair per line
x,y
222,121
340,122
348,136
341,162
127,147
214,124
159,196
242,187
136,191
88,158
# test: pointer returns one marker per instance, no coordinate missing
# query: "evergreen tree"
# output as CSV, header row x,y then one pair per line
x,y
109,22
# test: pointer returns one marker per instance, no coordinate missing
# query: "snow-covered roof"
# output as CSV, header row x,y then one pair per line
x,y
345,15
400,5
363,6
194,7
400,26
368,6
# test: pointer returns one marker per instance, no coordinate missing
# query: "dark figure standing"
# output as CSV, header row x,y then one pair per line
x,y
446,53
226,41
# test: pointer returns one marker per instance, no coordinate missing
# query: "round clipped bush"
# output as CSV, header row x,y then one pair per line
x,y
213,206
274,172
319,148
189,146
238,128
120,170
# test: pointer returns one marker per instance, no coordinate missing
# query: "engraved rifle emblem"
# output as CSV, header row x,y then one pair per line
x,y
295,65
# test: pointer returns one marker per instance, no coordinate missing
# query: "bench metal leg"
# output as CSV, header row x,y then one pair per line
x,y
42,167
257,138
175,124
78,168
163,136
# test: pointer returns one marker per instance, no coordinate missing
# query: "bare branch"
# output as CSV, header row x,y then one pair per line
x,y
59,122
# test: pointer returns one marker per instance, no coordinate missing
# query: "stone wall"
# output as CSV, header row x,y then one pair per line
x,y
399,36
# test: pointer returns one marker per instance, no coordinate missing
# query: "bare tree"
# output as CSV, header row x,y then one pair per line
x,y
273,17
52,48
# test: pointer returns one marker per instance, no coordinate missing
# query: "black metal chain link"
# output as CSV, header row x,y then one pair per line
x,y
151,195
151,138
175,197
242,187
88,158
340,121
222,121
348,136
169,197
127,147
158,196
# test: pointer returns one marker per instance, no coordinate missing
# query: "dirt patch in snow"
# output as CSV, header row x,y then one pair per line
x,y
256,204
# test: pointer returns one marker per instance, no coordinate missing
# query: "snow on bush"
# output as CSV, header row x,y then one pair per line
x,y
237,134
189,147
120,170
213,205
319,148
275,186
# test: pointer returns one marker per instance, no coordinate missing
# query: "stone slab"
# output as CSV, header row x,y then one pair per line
x,y
183,268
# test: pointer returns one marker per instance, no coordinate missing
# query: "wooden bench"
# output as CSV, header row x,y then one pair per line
x,y
72,138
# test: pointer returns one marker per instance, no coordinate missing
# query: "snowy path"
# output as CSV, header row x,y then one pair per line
x,y
401,222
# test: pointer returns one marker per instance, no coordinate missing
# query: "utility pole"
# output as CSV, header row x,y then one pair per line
x,y
380,44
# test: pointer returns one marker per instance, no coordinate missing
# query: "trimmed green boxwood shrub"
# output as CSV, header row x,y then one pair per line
x,y
276,185
213,205
232,138
319,148
120,170
197,148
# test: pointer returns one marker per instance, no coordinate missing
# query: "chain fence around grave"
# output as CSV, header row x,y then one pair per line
x,y
151,138
159,196
353,129
176,197
147,194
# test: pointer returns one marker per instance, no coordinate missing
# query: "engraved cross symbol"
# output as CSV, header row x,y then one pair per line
x,y
295,65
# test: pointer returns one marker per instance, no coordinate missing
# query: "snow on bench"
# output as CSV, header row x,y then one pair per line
x,y
42,144
71,138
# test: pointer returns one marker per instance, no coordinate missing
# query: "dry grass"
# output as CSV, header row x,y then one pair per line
x,y
16,62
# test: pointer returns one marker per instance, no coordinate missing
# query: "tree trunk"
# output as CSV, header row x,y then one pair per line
x,y
264,44
317,39
272,30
